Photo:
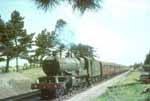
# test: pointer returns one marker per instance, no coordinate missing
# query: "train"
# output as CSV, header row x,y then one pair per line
x,y
64,74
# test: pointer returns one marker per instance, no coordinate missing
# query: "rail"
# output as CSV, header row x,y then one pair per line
x,y
21,96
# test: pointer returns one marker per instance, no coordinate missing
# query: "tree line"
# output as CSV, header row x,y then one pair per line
x,y
147,59
16,43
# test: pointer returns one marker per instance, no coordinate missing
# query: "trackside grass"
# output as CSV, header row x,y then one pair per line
x,y
15,83
127,90
33,73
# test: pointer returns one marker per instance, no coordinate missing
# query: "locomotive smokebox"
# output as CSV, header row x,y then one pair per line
x,y
51,66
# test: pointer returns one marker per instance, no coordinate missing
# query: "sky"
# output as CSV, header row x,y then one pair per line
x,y
119,31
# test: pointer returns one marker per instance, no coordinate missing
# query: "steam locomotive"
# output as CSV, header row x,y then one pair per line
x,y
69,73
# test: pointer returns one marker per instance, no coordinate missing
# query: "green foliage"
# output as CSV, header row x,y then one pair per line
x,y
128,92
60,24
2,26
44,41
6,44
130,78
81,5
47,40
26,42
146,66
2,35
45,4
2,59
82,50
147,60
17,34
137,65
14,38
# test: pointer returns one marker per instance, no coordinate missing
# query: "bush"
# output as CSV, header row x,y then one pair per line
x,y
146,67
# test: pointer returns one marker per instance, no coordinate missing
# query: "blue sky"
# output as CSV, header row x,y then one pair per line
x,y
119,30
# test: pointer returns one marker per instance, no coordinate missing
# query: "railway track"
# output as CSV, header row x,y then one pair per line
x,y
22,96
35,96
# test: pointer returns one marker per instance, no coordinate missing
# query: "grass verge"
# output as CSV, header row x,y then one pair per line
x,y
33,73
128,90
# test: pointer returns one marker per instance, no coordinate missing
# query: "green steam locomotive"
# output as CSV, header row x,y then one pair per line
x,y
65,74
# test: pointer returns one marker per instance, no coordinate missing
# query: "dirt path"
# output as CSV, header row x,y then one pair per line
x,y
92,93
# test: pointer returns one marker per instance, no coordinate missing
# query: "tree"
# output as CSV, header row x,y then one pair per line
x,y
2,38
60,24
2,34
147,59
63,34
81,5
5,44
58,31
137,65
26,43
82,50
44,41
9,53
2,27
18,34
